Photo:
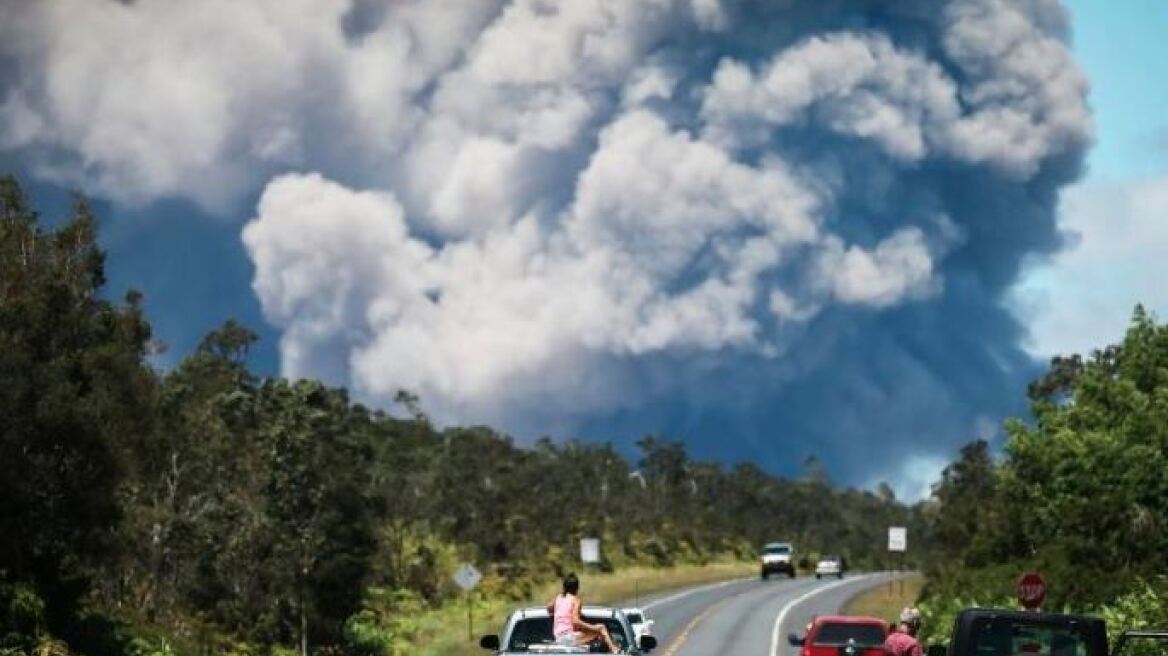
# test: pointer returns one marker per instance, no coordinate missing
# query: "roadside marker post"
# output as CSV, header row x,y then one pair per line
x,y
897,543
467,576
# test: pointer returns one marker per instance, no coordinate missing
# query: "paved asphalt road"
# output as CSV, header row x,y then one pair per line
x,y
746,617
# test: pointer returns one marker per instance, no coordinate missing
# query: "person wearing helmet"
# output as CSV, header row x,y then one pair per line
x,y
903,641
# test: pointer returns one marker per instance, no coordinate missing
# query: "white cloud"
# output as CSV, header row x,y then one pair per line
x,y
207,99
1020,105
913,477
469,326
787,308
1024,90
862,85
648,83
660,196
477,190
322,252
516,200
667,246
1082,298
162,113
899,266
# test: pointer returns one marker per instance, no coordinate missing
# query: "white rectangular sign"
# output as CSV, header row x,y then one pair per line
x,y
590,550
897,538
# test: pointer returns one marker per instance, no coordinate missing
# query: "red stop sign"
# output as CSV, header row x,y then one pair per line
x,y
1031,590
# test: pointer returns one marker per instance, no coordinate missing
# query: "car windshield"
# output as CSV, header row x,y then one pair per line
x,y
828,559
838,633
1014,637
776,550
534,634
635,618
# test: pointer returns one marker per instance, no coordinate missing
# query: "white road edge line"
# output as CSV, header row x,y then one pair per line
x,y
686,593
798,600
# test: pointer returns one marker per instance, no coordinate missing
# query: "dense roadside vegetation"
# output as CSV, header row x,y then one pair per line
x,y
1080,493
206,509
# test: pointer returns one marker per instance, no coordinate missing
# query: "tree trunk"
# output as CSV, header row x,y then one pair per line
x,y
303,628
303,612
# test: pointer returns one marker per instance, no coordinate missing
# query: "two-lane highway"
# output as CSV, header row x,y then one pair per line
x,y
746,617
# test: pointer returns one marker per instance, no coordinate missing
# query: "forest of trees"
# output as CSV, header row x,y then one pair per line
x,y
232,512
1080,493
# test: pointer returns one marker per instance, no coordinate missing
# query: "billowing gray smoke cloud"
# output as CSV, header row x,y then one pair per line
x,y
773,228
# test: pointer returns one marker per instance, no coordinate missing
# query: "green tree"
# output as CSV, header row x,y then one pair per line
x,y
76,396
192,481
1088,478
1080,492
320,516
966,489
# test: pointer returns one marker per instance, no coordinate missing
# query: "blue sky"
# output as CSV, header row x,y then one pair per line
x,y
603,266
1122,48
1116,214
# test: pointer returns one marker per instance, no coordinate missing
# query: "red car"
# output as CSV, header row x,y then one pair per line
x,y
842,635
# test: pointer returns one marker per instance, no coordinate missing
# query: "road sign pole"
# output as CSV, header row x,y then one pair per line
x,y
467,576
902,574
897,542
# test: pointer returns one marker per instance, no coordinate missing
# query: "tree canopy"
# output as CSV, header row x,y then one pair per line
x,y
1079,491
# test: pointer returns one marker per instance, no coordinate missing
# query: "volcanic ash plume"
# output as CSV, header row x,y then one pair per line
x,y
791,222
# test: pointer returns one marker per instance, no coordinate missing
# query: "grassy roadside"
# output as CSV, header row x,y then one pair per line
x,y
443,632
886,601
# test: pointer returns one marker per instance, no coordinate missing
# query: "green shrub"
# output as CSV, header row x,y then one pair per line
x,y
1145,607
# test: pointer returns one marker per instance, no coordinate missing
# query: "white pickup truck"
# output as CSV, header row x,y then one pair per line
x,y
778,558
529,631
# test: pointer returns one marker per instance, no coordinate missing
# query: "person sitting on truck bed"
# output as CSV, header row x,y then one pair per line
x,y
567,626
903,641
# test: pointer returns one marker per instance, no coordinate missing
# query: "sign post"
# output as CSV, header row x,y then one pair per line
x,y
897,543
590,551
467,576
897,539
1031,590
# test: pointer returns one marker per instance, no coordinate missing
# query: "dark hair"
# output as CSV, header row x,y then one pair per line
x,y
571,584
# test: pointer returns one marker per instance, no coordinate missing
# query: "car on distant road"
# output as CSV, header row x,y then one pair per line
x,y
529,631
830,566
842,635
640,622
778,558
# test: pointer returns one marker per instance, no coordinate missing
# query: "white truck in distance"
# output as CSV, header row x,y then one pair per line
x,y
778,558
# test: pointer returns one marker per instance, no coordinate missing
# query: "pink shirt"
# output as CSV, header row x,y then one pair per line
x,y
900,643
562,615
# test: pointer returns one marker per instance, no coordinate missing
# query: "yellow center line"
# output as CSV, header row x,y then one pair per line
x,y
679,641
